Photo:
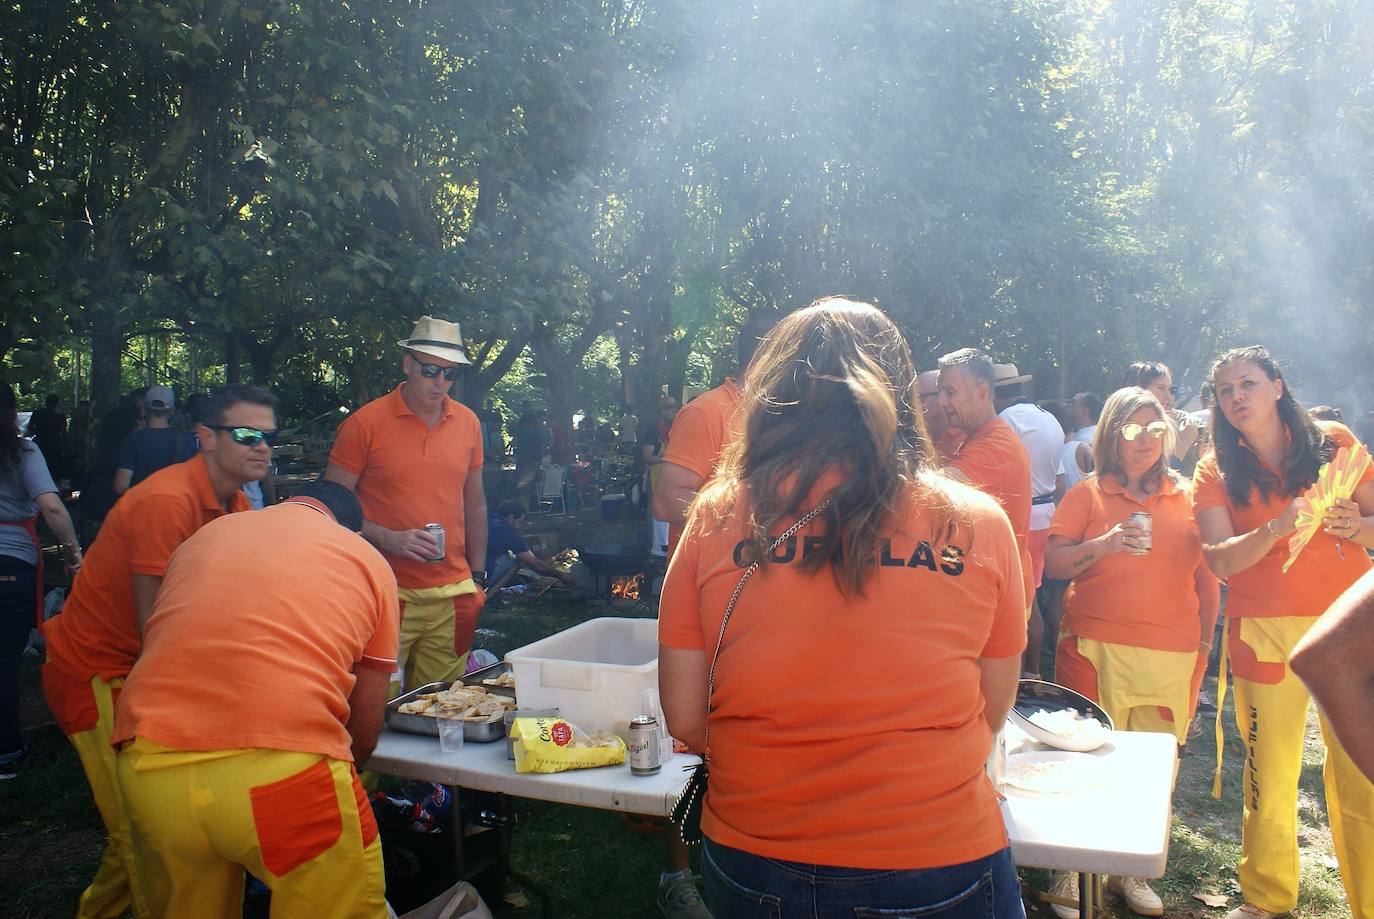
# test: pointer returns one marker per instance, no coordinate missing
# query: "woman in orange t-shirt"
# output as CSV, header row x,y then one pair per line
x,y
873,798
1139,612
1267,451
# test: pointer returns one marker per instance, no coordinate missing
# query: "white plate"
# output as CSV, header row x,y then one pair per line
x,y
1052,773
1059,741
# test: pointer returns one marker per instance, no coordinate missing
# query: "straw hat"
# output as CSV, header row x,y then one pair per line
x,y
1006,375
437,338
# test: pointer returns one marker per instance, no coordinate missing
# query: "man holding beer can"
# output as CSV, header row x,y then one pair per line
x,y
414,458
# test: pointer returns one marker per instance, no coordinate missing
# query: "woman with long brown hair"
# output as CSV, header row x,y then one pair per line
x,y
824,803
1267,451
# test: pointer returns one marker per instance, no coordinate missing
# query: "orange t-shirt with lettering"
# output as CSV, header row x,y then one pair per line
x,y
1147,601
700,434
410,474
97,633
1323,570
996,462
253,642
883,769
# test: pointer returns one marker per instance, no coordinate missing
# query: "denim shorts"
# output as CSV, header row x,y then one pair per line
x,y
744,886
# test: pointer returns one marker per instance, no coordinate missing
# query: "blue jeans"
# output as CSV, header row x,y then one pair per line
x,y
744,886
16,619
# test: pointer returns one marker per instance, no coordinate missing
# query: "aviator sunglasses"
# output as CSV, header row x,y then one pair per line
x,y
430,371
1130,430
245,436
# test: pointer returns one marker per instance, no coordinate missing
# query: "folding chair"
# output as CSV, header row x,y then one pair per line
x,y
551,491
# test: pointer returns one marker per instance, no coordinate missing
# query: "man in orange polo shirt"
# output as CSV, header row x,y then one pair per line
x,y
97,637
257,692
701,432
991,458
946,439
414,457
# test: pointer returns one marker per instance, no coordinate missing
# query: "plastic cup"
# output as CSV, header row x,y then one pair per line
x,y
450,734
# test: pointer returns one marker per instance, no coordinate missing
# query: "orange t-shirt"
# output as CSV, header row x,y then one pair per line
x,y
797,759
700,434
410,474
948,444
259,625
1319,575
1148,601
97,633
995,461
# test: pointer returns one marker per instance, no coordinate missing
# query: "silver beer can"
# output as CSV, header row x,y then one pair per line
x,y
1146,524
645,758
437,531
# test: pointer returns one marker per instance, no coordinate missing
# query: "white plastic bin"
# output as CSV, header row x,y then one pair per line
x,y
594,673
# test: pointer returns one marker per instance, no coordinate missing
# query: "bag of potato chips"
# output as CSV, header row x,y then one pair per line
x,y
551,744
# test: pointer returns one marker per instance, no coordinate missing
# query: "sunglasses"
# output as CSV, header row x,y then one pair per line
x,y
430,371
247,437
1130,430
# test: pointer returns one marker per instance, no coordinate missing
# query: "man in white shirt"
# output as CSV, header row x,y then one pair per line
x,y
1044,442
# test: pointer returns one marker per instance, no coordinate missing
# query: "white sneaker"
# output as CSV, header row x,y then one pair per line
x,y
1140,899
1065,885
1250,911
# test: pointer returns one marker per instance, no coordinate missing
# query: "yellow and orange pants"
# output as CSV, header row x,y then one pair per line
x,y
1142,689
85,713
1271,711
437,626
299,822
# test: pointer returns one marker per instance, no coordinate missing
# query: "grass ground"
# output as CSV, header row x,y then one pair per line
x,y
588,861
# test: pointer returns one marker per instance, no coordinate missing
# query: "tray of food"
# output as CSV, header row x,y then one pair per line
x,y
497,679
482,713
1059,717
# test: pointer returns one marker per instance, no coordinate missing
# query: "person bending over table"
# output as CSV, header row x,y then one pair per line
x,y
819,806
257,693
1266,452
1140,608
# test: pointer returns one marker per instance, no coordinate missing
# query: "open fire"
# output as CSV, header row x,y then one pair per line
x,y
627,587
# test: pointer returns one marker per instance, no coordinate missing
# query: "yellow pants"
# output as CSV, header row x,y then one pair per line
x,y
299,822
1271,710
1135,686
111,891
425,652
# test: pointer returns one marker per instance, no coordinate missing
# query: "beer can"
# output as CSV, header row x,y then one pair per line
x,y
437,531
1146,524
644,749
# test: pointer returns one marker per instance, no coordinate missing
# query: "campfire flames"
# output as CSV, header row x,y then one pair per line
x,y
627,587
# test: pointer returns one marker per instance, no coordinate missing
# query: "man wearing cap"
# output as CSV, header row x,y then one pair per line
x,y
257,695
1043,438
155,445
414,457
991,458
94,641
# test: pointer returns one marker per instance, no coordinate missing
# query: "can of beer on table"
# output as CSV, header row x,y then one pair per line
x,y
1146,524
645,758
437,531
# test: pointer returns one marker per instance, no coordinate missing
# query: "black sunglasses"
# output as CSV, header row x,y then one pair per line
x,y
430,371
248,437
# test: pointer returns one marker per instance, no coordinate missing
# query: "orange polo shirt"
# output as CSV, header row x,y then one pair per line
x,y
700,433
901,740
97,633
410,474
995,461
243,652
1319,575
1147,601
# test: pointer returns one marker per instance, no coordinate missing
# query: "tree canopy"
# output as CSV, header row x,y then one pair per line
x,y
601,190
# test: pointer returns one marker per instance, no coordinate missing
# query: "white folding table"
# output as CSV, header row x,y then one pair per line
x,y
1121,826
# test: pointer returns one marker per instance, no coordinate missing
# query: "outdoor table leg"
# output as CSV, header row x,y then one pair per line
x,y
1089,895
505,833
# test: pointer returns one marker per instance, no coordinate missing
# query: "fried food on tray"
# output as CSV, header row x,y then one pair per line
x,y
465,703
505,680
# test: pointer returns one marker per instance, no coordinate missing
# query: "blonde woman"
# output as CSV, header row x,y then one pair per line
x,y
1140,609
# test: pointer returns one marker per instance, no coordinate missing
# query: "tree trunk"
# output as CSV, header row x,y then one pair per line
x,y
232,358
107,349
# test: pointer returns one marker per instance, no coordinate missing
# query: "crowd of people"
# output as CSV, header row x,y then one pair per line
x,y
938,523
